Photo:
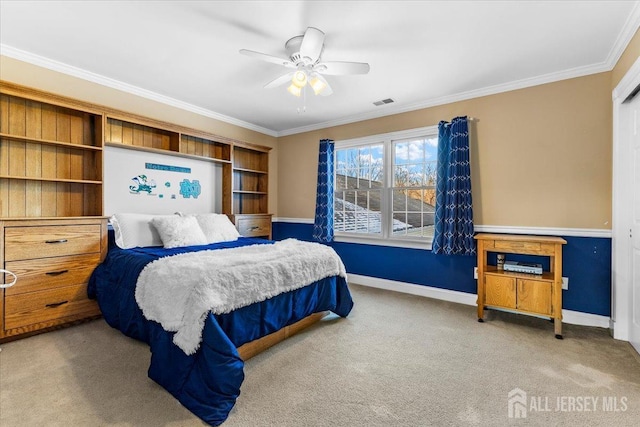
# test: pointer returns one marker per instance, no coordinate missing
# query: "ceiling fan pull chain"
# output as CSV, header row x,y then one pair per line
x,y
303,109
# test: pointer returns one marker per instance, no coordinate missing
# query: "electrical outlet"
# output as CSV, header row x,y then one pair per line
x,y
565,283
475,272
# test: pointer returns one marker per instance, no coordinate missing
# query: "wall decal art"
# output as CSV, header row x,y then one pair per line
x,y
145,182
158,167
142,183
190,188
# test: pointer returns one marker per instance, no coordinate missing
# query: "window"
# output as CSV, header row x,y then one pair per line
x,y
385,186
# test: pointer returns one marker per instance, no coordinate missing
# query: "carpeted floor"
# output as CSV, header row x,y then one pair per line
x,y
397,360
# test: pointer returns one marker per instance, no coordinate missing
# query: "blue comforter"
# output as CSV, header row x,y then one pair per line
x,y
207,382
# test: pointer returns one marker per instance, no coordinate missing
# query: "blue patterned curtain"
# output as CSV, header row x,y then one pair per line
x,y
323,223
454,212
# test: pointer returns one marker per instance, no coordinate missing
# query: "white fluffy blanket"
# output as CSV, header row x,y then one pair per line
x,y
179,291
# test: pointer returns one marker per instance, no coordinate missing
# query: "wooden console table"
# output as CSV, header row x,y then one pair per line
x,y
521,292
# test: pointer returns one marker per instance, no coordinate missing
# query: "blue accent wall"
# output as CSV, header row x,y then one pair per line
x,y
586,262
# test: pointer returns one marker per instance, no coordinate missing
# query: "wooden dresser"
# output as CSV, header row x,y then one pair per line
x,y
253,225
53,259
539,294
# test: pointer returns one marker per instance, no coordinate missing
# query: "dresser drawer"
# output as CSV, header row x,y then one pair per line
x,y
516,246
250,227
50,305
48,273
53,240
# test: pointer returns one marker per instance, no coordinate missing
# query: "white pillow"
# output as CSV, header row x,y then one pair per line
x,y
177,231
217,227
134,230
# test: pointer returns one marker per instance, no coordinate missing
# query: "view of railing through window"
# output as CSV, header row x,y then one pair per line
x,y
360,185
358,189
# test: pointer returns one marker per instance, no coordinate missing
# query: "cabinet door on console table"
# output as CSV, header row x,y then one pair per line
x,y
517,293
500,291
53,260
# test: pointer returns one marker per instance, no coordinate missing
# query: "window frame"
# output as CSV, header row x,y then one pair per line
x,y
386,238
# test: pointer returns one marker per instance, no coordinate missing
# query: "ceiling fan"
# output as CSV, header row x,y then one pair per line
x,y
304,58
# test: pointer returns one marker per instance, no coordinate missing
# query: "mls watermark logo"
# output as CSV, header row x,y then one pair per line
x,y
517,403
520,405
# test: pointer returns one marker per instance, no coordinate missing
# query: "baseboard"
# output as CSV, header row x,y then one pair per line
x,y
568,316
585,319
410,288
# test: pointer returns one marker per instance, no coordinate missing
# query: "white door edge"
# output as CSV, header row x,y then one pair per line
x,y
621,297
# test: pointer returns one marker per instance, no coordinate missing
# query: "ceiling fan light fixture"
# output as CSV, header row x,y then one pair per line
x,y
317,83
304,57
299,79
294,90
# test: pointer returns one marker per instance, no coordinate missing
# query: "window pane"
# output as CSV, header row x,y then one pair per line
x,y
399,200
365,177
352,181
430,199
338,211
416,151
431,149
357,211
401,176
341,161
415,175
340,182
352,158
401,153
399,225
414,201
428,219
430,173
377,163
364,157
344,208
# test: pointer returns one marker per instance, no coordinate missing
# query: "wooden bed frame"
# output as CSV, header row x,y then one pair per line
x,y
255,347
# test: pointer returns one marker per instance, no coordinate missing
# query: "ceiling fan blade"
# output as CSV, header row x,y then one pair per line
x,y
312,44
280,80
268,58
337,68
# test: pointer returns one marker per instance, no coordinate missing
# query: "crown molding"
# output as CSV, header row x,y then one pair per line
x,y
60,67
463,96
624,37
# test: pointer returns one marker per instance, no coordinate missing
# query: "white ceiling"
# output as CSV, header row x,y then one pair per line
x,y
185,53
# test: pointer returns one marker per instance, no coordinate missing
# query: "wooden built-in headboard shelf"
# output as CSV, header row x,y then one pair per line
x,y
52,154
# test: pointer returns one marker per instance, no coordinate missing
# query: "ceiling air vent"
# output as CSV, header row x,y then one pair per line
x,y
382,102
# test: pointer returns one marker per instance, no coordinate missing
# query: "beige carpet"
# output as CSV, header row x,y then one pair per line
x,y
398,360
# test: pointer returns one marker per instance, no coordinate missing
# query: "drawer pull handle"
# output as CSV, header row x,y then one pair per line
x,y
9,273
56,304
56,241
56,273
255,227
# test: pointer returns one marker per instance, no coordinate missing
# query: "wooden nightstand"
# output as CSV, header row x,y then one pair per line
x,y
253,225
53,259
525,293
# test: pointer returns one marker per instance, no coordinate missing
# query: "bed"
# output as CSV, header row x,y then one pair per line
x,y
208,381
